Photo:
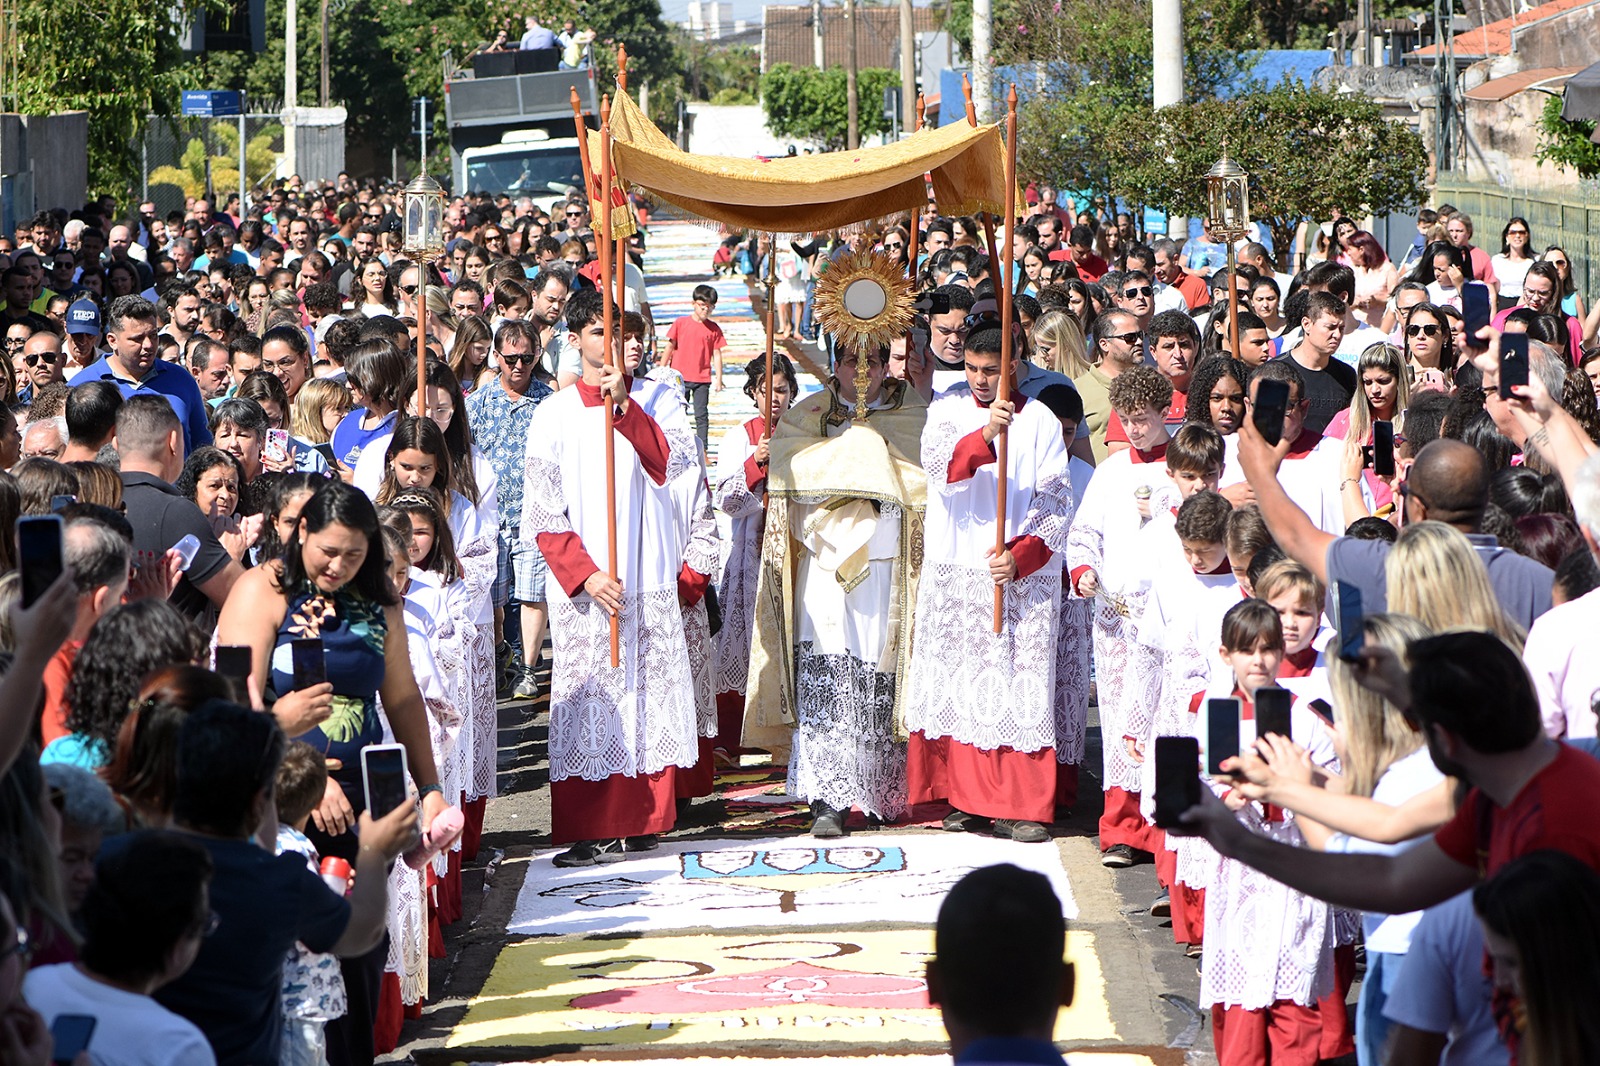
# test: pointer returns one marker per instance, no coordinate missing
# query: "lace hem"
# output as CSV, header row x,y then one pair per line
x,y
845,753
1073,643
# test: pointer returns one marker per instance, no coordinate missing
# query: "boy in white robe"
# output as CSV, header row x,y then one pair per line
x,y
617,734
982,707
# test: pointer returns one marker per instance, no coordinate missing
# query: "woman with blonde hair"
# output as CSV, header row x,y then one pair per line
x,y
1058,344
1384,393
1435,575
97,483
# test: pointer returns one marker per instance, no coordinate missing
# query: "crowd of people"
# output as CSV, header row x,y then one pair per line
x,y
223,411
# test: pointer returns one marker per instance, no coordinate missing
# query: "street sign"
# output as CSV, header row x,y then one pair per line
x,y
212,103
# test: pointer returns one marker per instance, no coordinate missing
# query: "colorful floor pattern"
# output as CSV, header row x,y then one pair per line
x,y
791,881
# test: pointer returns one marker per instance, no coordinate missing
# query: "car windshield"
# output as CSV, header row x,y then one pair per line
x,y
531,170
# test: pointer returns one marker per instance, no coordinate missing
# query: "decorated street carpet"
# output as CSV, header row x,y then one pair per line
x,y
791,881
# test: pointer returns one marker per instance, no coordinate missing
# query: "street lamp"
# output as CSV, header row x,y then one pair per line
x,y
423,244
1228,218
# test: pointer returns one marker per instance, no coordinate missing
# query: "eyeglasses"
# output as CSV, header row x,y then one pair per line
x,y
16,342
1143,290
1419,330
48,358
518,357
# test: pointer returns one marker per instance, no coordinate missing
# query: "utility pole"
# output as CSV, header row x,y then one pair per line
x,y
816,35
982,74
852,101
291,91
908,69
1166,29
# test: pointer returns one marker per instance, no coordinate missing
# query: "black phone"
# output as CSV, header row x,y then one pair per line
x,y
39,554
1474,312
1272,712
1222,733
1323,710
1383,449
1177,778
70,1033
1270,408
60,503
383,775
1513,362
309,666
233,661
1347,620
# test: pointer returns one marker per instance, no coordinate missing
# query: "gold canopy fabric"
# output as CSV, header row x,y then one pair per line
x,y
798,194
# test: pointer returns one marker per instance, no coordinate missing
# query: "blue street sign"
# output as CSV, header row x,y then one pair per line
x,y
212,103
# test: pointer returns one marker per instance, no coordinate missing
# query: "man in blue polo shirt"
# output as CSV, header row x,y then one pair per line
x,y
131,326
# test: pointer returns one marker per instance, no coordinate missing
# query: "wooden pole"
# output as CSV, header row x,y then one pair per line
x,y
620,255
772,286
608,308
1003,287
422,332
916,222
988,219
622,68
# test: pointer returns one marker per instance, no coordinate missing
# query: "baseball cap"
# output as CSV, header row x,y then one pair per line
x,y
83,317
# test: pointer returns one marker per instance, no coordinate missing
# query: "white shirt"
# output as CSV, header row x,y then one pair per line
x,y
1442,987
130,1029
1566,672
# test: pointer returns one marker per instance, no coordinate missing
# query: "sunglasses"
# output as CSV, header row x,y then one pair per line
x,y
1126,338
1516,233
1422,331
574,214
48,358
409,290
892,246
973,321
518,357
1143,290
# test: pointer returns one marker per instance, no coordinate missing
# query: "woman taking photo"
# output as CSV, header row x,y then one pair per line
x,y
331,585
1430,347
1382,397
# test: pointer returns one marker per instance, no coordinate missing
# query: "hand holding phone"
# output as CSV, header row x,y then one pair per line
x,y
1222,734
1347,620
275,450
40,554
1474,313
384,776
1514,363
1383,448
309,666
1270,408
70,1034
1273,712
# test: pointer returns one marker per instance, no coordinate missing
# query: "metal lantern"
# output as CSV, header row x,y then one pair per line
x,y
424,219
1227,198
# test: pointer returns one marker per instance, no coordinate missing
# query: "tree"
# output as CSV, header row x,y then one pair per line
x,y
809,104
260,158
116,59
1567,144
1307,152
1093,59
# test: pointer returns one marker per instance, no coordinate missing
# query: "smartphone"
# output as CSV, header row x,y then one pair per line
x,y
1347,620
233,661
61,503
1475,312
1323,710
1513,362
276,448
383,775
1383,449
1222,732
70,1034
1271,407
308,664
187,548
1177,778
39,554
1272,712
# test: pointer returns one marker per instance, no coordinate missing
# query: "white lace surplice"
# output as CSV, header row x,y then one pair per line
x,y
640,717
737,590
969,683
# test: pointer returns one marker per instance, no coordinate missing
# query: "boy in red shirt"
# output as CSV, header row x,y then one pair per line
x,y
694,350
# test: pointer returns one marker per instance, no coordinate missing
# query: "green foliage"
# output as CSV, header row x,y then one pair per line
x,y
732,96
1307,153
811,105
1096,57
714,69
116,59
1567,144
260,159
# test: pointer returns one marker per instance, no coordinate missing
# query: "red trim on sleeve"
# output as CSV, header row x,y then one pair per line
x,y
641,431
754,473
972,454
692,585
569,561
1194,701
1076,575
1030,552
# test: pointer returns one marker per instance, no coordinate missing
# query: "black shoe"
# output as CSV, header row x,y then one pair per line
x,y
1020,831
962,822
1162,907
826,823
591,852
647,842
1117,857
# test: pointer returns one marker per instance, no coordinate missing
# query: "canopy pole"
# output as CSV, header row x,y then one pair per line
x,y
608,308
589,182
1001,444
772,286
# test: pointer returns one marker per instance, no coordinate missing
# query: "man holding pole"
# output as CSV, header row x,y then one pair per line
x,y
618,734
981,712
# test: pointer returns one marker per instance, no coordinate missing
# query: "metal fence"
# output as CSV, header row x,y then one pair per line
x,y
184,157
1570,219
